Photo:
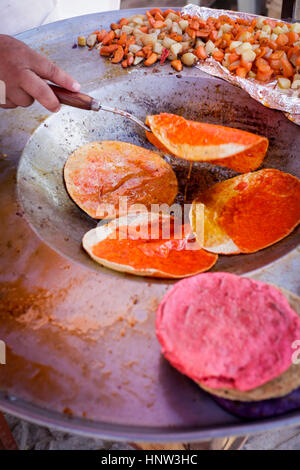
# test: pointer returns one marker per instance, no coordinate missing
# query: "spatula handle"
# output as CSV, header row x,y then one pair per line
x,y
77,100
80,100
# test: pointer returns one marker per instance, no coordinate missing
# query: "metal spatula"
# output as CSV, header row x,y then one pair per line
x,y
83,101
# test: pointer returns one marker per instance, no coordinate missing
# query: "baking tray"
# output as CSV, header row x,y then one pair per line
x,y
81,350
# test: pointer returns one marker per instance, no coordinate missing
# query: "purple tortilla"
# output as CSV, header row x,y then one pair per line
x,y
261,409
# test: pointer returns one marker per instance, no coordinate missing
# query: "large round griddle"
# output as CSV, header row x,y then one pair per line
x,y
62,224
82,352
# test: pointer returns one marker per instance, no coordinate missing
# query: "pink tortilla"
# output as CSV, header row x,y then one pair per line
x,y
227,331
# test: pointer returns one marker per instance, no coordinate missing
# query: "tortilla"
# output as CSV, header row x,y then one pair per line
x,y
281,386
224,331
278,387
197,141
98,174
154,141
128,245
261,409
249,212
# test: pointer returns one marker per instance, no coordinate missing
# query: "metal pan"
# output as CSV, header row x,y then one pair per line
x,y
82,353
58,220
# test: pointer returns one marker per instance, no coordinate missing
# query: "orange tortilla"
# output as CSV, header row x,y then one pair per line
x,y
99,173
154,141
131,244
249,212
196,141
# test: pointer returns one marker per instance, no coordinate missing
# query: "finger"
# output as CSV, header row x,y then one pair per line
x,y
8,105
50,71
21,98
39,90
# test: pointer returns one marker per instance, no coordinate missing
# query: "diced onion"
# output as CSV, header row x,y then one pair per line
x,y
138,60
209,47
134,48
199,42
260,22
234,45
131,18
295,27
158,48
267,28
91,40
172,56
183,24
245,36
278,30
176,28
176,49
168,42
285,28
284,83
264,34
168,24
138,20
296,84
268,53
226,28
172,16
127,29
249,56
149,39
185,46
245,46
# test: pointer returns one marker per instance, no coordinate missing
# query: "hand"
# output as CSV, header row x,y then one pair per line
x,y
24,72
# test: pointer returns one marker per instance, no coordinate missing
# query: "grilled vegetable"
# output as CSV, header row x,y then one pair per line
x,y
238,44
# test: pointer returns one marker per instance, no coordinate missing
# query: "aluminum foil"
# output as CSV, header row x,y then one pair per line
x,y
268,94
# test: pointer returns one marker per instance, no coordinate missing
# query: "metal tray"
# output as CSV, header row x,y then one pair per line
x,y
82,353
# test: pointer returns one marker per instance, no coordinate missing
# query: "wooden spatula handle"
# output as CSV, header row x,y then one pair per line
x,y
77,100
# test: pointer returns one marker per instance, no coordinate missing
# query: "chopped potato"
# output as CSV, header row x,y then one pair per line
x,y
81,41
189,59
263,50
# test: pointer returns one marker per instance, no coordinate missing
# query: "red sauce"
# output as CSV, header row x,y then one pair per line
x,y
167,255
184,138
261,215
182,131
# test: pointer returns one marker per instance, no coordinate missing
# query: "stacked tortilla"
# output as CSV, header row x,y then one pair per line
x,y
234,336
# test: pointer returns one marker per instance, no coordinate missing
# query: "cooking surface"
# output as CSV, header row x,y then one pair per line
x,y
81,342
62,224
